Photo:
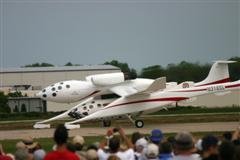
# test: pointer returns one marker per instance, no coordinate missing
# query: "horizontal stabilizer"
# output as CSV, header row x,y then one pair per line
x,y
158,84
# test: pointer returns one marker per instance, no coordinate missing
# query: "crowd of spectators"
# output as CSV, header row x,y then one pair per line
x,y
117,146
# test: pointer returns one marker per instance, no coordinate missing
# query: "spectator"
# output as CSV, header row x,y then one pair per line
x,y
60,137
184,147
78,142
113,147
22,154
165,151
136,136
152,152
113,157
156,136
209,148
226,151
3,156
38,152
227,136
91,154
140,148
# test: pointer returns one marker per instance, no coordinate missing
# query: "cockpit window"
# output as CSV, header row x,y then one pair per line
x,y
59,87
44,90
61,83
67,86
53,89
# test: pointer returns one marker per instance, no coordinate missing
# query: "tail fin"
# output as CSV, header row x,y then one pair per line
x,y
218,74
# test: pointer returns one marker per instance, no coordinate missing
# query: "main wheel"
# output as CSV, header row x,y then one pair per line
x,y
106,123
139,123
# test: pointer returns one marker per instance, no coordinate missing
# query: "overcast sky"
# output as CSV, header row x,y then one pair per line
x,y
139,32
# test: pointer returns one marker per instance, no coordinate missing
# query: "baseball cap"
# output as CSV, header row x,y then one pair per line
x,y
141,142
209,141
156,136
152,151
78,140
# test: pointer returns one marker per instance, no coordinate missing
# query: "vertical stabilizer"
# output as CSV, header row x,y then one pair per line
x,y
218,74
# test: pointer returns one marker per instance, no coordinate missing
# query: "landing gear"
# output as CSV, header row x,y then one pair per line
x,y
106,123
139,123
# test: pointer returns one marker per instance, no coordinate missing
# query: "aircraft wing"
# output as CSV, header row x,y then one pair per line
x,y
65,114
127,91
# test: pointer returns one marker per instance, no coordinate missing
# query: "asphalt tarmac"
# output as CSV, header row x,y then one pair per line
x,y
99,131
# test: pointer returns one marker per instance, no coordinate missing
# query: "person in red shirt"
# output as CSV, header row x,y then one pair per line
x,y
61,153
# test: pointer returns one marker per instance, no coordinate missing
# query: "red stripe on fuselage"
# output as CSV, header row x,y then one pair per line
x,y
151,100
192,90
90,94
216,82
232,86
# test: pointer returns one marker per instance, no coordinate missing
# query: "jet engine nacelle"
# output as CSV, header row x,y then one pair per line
x,y
106,79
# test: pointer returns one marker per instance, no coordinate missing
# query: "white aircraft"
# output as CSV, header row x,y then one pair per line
x,y
136,96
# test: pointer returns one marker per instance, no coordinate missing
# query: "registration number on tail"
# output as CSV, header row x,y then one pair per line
x,y
216,88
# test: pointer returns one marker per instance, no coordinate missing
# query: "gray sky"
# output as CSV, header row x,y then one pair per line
x,y
139,32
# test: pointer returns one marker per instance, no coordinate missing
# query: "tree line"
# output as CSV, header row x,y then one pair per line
x,y
183,71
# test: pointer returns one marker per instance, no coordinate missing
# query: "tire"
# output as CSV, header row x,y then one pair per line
x,y
139,123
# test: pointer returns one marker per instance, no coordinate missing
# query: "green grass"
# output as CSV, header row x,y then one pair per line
x,y
47,143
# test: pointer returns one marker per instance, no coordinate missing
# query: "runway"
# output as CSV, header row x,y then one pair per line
x,y
99,131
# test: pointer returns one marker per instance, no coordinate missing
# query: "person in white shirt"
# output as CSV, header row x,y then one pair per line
x,y
184,148
111,146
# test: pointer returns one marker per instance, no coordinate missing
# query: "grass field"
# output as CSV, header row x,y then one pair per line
x,y
47,143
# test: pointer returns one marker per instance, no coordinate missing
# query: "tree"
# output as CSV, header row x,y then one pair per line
x,y
16,94
40,65
3,103
152,72
234,69
129,72
68,64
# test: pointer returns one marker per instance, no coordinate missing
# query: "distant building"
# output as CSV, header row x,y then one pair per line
x,y
36,78
26,104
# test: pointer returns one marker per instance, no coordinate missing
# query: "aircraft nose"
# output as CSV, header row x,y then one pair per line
x,y
42,94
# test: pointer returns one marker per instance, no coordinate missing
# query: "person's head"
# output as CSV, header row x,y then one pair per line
x,y
22,154
140,145
184,143
210,144
135,136
61,135
227,136
156,136
20,145
226,150
165,147
91,154
114,144
39,154
78,142
152,151
71,147
113,157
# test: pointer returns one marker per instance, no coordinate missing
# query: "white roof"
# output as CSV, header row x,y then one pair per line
x,y
57,69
